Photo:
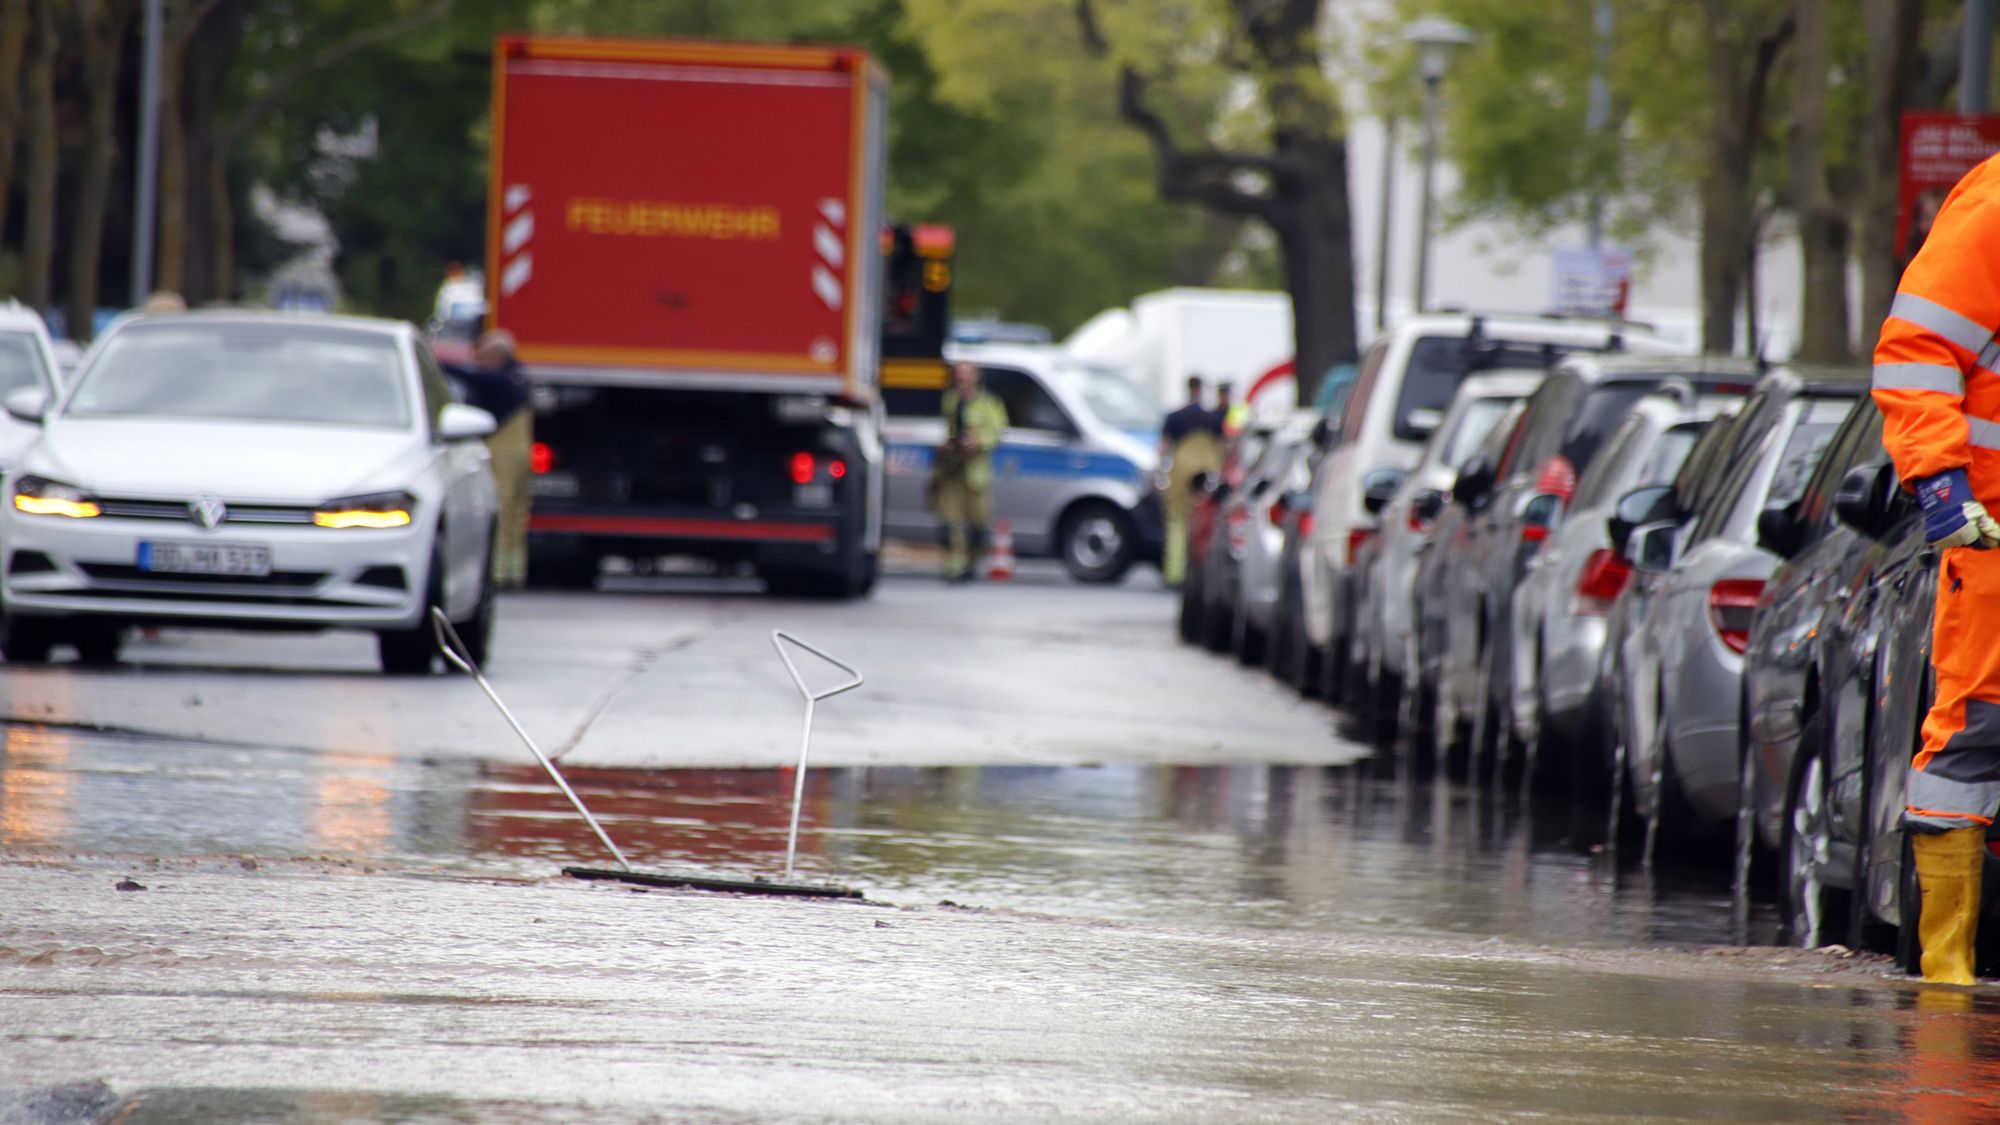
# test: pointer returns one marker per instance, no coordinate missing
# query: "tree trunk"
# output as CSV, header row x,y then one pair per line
x,y
1895,30
1741,57
1315,228
1825,233
170,223
14,28
104,54
208,55
38,246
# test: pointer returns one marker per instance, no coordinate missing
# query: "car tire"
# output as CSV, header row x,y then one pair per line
x,y
1097,542
28,640
562,568
1248,641
97,642
477,630
414,651
1217,623
1809,910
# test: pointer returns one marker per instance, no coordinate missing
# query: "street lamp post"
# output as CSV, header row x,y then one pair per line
x,y
146,173
1435,38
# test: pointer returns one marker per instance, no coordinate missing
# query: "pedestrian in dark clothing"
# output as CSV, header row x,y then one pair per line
x,y
496,384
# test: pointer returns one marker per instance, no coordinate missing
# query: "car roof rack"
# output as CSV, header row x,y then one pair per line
x,y
1608,319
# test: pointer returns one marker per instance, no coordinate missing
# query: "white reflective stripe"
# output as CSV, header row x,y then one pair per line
x,y
1989,358
1919,377
1984,434
1943,800
1955,327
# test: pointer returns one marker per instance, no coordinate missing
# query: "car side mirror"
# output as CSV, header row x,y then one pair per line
x,y
459,422
1475,482
1652,504
1539,515
1378,486
1779,530
1427,504
28,404
1865,500
1423,423
1650,547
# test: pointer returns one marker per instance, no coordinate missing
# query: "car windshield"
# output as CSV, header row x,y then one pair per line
x,y
236,374
1438,364
1118,402
21,363
1473,426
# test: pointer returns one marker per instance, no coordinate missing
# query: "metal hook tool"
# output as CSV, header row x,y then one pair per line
x,y
779,639
456,653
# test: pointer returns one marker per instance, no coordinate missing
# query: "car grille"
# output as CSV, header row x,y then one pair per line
x,y
178,510
120,572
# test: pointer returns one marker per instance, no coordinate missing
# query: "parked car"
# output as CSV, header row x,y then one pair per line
x,y
1406,381
1205,617
1559,607
1516,502
1073,474
244,469
1245,555
27,361
1437,555
1682,663
1385,570
1797,654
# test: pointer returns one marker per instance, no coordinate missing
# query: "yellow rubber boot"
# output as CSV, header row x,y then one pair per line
x,y
1948,869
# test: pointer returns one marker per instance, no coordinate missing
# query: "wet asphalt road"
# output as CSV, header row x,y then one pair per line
x,y
1175,894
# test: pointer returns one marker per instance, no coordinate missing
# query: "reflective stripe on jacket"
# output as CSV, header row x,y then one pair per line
x,y
1936,362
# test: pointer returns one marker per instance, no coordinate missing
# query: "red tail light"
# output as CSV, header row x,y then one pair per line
x,y
803,468
1356,539
836,469
1305,525
1558,477
1604,576
541,458
1278,511
1533,533
1731,603
1418,522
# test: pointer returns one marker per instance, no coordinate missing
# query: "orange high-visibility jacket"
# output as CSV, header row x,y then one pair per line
x,y
1937,366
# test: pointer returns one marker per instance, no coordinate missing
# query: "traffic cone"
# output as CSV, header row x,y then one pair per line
x,y
1000,563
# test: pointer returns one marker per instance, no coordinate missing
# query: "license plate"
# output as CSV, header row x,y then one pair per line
x,y
816,495
205,558
556,486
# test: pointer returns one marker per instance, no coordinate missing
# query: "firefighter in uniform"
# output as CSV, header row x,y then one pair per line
x,y
1937,380
1190,444
962,475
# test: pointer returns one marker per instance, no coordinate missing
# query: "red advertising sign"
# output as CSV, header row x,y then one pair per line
x,y
672,207
1938,150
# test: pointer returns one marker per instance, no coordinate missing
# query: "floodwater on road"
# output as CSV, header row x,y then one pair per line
x,y
1313,848
1133,944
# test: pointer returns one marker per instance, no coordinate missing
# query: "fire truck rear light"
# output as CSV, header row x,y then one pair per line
x,y
541,458
803,468
836,469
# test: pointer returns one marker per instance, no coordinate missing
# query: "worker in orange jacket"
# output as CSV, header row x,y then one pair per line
x,y
1937,380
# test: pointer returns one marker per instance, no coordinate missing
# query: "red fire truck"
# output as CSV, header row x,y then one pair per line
x,y
685,239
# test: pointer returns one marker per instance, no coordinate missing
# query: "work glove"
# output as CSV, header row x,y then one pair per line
x,y
1952,518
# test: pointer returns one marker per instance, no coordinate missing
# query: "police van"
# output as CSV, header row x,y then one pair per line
x,y
1073,474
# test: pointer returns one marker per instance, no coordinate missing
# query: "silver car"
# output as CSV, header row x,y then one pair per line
x,y
1073,475
1386,565
1246,548
1682,663
1560,605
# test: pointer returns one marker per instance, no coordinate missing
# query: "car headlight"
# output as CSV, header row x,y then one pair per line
x,y
39,496
377,509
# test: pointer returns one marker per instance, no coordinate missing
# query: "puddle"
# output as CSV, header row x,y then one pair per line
x,y
1296,848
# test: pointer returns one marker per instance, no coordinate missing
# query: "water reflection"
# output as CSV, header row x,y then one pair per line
x,y
1255,846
